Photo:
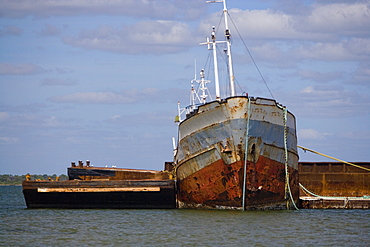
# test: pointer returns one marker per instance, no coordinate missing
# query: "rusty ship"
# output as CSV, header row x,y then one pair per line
x,y
237,152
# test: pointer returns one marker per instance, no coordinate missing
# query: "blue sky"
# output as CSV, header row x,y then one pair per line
x,y
100,80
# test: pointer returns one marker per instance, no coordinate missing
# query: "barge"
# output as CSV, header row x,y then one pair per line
x,y
103,188
334,185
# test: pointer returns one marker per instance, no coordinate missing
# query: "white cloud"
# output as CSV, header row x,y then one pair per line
x,y
310,134
8,140
353,49
29,120
323,77
361,76
4,116
57,82
153,95
63,70
355,135
124,97
52,122
324,32
146,118
94,98
328,101
323,22
161,9
20,69
256,24
49,30
341,18
153,37
10,30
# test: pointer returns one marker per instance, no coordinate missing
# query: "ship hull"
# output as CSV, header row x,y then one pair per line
x,y
220,186
220,139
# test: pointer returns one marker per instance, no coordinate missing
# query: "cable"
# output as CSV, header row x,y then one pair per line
x,y
254,62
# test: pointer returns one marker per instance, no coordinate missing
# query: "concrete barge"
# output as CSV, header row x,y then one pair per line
x,y
101,187
334,185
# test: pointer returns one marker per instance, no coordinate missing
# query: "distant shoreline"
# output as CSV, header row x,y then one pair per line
x,y
8,179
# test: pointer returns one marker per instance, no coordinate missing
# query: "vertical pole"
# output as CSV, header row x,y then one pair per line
x,y
228,39
215,64
246,153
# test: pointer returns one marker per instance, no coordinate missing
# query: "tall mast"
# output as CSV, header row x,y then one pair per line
x,y
228,51
215,64
217,83
228,39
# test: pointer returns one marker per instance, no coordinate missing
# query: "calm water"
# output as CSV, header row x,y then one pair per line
x,y
45,227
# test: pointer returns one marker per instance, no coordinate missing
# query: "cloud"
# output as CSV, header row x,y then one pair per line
x,y
322,32
352,49
153,95
328,101
31,120
10,30
310,134
93,98
8,140
148,118
159,9
322,77
321,22
20,69
24,108
63,70
49,30
361,76
153,37
4,116
339,18
355,135
256,23
57,82
124,97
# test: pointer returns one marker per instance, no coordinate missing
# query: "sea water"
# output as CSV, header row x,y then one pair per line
x,y
178,227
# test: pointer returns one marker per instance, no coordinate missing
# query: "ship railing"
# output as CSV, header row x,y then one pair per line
x,y
183,113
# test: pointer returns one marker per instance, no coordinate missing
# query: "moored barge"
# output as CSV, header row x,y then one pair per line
x,y
334,185
102,187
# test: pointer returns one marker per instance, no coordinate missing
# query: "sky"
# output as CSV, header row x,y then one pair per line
x,y
101,80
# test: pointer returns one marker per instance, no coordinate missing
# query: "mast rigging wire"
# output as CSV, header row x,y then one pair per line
x,y
250,54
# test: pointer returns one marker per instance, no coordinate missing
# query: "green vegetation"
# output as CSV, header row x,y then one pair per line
x,y
7,179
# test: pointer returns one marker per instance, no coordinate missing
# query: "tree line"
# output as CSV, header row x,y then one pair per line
x,y
7,179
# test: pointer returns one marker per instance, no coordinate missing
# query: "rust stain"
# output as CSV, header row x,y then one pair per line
x,y
217,182
222,184
335,179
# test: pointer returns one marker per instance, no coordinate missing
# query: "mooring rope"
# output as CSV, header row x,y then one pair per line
x,y
345,162
330,197
287,183
246,153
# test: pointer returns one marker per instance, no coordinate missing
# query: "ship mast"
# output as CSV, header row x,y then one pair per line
x,y
228,39
215,64
217,83
228,51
